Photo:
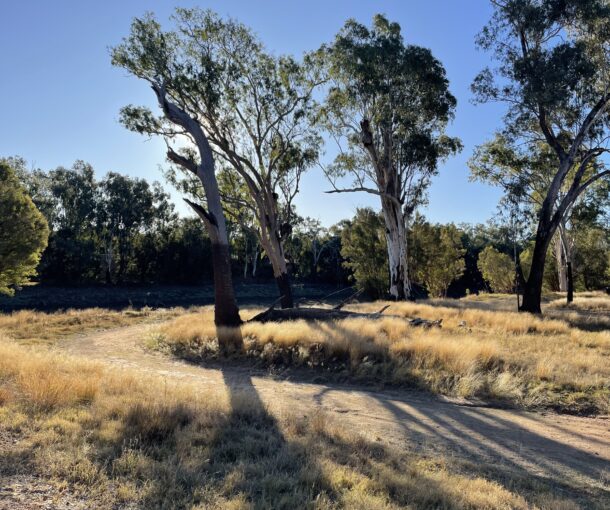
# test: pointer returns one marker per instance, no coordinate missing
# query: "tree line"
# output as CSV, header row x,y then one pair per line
x,y
242,125
122,230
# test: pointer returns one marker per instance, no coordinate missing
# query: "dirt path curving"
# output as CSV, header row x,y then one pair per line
x,y
562,448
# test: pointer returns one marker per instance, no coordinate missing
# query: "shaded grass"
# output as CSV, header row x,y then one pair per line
x,y
516,358
126,441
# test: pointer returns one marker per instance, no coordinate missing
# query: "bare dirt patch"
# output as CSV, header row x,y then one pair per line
x,y
573,452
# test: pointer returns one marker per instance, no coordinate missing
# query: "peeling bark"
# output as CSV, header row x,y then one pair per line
x,y
396,237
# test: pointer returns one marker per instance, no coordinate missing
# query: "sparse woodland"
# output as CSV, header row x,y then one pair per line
x,y
436,366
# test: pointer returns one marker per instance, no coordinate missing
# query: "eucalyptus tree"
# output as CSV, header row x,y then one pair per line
x,y
525,176
554,77
388,105
179,80
250,108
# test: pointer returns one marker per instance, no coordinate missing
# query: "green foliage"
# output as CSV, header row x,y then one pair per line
x,y
498,269
252,106
363,245
402,92
23,232
437,254
553,62
592,259
118,229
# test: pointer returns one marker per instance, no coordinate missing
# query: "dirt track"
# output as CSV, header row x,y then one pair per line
x,y
563,448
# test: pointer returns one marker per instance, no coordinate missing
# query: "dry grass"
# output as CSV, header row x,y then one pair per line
x,y
127,442
518,358
30,326
587,302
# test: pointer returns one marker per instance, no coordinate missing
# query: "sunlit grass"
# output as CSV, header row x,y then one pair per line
x,y
121,439
528,360
30,326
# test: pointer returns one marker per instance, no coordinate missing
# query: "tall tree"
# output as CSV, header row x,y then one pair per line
x,y
180,80
23,232
390,103
252,107
362,247
554,76
439,256
68,198
497,268
127,206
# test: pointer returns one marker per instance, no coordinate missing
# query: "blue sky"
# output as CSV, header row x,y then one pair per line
x,y
61,97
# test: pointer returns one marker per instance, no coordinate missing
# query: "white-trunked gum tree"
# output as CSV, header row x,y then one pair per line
x,y
387,106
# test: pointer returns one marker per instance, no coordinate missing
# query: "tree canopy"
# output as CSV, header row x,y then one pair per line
x,y
388,104
23,232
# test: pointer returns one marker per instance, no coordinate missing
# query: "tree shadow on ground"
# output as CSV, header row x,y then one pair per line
x,y
502,450
247,457
494,447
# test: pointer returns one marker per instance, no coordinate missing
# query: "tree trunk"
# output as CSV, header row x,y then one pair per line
x,y
570,282
285,290
396,238
246,259
270,239
532,293
226,312
255,262
108,263
561,264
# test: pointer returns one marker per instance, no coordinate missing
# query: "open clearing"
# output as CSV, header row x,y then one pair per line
x,y
130,438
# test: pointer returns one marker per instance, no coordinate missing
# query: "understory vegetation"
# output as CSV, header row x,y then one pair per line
x,y
123,439
559,363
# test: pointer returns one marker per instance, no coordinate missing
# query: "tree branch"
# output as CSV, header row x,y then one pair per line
x,y
184,162
202,213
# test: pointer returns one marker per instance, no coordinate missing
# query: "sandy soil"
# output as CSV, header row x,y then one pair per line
x,y
546,445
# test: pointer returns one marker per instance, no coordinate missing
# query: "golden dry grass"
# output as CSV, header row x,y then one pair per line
x,y
121,440
520,358
30,326
588,302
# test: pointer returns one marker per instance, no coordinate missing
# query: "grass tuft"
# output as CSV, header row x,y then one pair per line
x,y
517,358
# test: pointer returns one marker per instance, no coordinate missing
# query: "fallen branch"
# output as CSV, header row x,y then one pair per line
x,y
331,314
346,301
425,323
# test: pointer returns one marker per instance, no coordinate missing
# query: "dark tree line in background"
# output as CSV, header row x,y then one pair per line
x,y
120,230
242,125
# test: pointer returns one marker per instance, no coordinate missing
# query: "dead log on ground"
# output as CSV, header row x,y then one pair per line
x,y
425,323
331,314
313,314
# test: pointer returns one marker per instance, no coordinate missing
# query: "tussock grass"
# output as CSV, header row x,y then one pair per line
x,y
31,326
517,358
587,302
124,441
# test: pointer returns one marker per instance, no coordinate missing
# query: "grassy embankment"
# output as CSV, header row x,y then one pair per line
x,y
519,359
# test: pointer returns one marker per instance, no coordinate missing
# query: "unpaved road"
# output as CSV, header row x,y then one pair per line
x,y
546,445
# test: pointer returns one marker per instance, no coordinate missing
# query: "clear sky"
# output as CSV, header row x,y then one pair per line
x,y
61,97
